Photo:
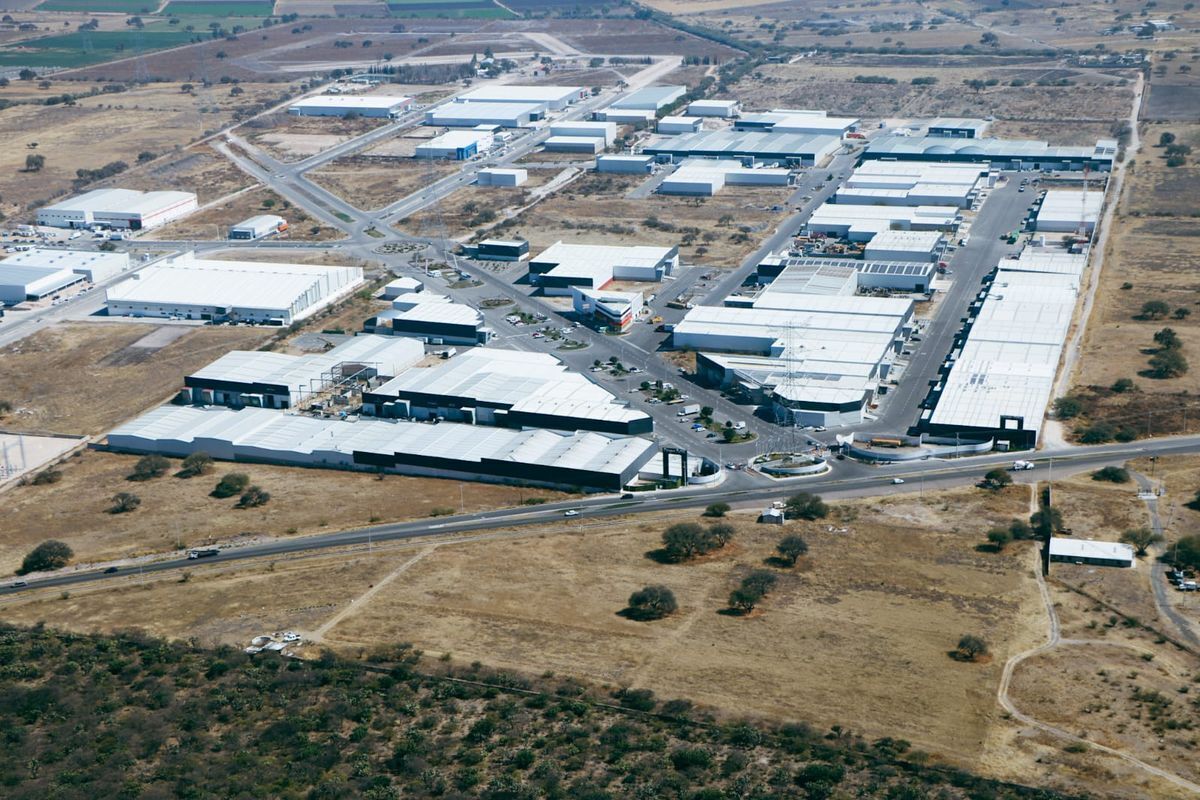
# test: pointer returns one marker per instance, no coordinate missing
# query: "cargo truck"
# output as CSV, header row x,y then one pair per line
x,y
688,410
205,553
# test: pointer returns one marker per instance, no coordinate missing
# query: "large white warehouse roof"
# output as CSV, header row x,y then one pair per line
x,y
351,102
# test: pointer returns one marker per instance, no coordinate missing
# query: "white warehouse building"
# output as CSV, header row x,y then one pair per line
x,y
93,265
651,98
605,131
342,105
253,291
118,208
713,108
497,176
1068,210
561,266
861,223
892,245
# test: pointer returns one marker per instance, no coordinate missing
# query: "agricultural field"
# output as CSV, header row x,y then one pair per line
x,y
100,6
449,9
54,377
714,231
370,183
219,8
81,49
1151,256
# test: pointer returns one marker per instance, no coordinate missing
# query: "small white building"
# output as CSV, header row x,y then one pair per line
x,y
402,286
624,116
651,98
344,105
21,283
673,125
889,245
1089,551
704,177
616,311
496,176
605,131
258,227
126,209
561,266
588,145
456,145
713,108
632,165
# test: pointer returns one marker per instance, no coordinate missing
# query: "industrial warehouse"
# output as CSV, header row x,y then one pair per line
x,y
505,388
999,380
263,379
860,223
782,120
37,273
582,460
651,98
508,106
1068,211
341,105
433,318
898,183
560,267
607,310
998,153
789,149
704,177
236,291
457,145
124,209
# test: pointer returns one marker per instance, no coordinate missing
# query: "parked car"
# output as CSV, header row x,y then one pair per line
x,y
897,480
110,570
571,512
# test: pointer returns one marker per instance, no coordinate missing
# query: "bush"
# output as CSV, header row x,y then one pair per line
x,y
1123,385
151,466
686,540
198,463
716,510
999,537
1141,539
971,647
233,483
1097,433
50,554
1154,309
1068,407
124,502
47,476
806,506
996,479
1111,474
791,548
1168,363
1046,521
688,758
1186,552
253,497
652,602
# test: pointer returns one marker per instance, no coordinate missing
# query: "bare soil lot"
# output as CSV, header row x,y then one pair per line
x,y
370,183
1151,256
717,231
176,513
86,377
196,169
290,138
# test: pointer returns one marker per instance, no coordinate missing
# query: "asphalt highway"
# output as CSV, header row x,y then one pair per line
x,y
847,479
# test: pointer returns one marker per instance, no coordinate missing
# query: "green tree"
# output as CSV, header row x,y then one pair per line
x,y
728,434
50,554
971,647
232,483
253,497
1165,138
716,510
717,536
652,602
1181,313
999,537
743,600
996,479
761,581
124,502
198,463
683,540
806,506
1141,539
1068,407
1167,339
791,547
1168,363
1186,552
148,467
1123,385
1154,309
1111,474
1019,529
706,412
1046,521
34,162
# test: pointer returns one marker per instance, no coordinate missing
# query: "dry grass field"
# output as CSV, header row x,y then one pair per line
x,y
371,183
1152,253
814,83
465,210
878,604
715,231
86,377
196,169
214,222
177,513
154,119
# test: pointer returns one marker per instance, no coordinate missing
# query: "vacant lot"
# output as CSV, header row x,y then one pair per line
x,y
86,377
289,138
370,183
1151,256
196,169
177,513
473,207
717,231
99,130
214,222
813,84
